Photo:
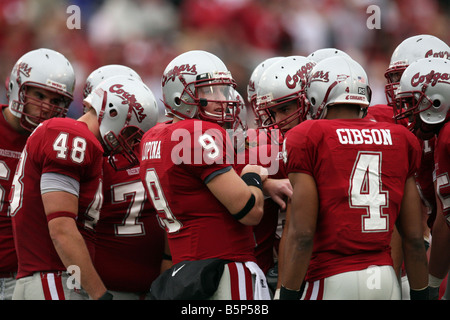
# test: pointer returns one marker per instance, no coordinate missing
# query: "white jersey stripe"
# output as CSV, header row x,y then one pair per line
x,y
241,279
52,286
315,290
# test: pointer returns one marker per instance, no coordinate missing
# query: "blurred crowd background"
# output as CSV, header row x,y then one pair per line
x,y
147,34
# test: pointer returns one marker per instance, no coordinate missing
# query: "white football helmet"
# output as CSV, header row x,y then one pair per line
x,y
283,83
424,91
337,80
195,79
253,82
408,51
46,69
238,130
126,108
110,70
241,111
325,53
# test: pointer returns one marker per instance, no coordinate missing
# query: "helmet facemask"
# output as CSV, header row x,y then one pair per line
x,y
238,129
235,115
48,110
392,76
208,91
411,105
123,150
266,105
253,106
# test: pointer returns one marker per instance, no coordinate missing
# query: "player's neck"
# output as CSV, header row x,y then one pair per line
x,y
343,112
90,118
176,119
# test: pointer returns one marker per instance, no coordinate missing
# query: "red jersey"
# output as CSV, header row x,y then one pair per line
x,y
263,148
442,171
384,113
11,147
380,113
64,146
129,241
360,168
268,153
177,161
424,178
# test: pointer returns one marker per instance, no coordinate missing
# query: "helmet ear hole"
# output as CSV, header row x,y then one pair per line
x,y
112,111
436,103
177,101
313,101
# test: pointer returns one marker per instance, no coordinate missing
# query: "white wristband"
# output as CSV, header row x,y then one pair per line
x,y
433,281
277,295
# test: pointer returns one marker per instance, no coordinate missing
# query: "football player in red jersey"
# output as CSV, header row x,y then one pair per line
x,y
207,209
276,190
408,51
423,97
57,189
39,87
279,107
349,191
129,243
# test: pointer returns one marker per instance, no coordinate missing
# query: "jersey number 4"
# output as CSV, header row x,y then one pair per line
x,y
365,191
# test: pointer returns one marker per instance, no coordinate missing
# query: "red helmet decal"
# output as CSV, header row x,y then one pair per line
x,y
177,70
432,78
301,74
320,76
129,99
24,69
440,54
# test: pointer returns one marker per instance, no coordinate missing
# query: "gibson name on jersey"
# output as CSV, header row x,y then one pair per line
x,y
365,136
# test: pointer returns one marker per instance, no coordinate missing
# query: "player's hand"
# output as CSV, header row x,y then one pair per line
x,y
279,190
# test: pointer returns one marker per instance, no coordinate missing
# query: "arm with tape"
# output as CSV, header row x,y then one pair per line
x,y
242,196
